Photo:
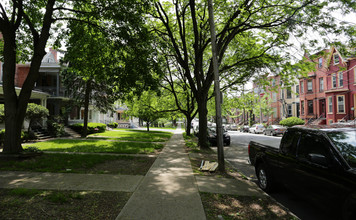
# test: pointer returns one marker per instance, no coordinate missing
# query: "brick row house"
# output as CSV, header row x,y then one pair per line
x,y
284,101
328,95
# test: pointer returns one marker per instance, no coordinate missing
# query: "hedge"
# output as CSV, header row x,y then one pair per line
x,y
92,127
291,121
113,125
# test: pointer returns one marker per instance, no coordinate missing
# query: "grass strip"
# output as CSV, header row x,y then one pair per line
x,y
96,146
78,163
52,204
242,207
135,135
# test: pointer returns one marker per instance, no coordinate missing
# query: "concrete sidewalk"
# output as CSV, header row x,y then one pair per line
x,y
169,190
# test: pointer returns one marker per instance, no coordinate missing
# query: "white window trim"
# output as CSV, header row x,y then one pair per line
x,y
302,87
334,58
330,99
333,76
338,79
337,102
311,83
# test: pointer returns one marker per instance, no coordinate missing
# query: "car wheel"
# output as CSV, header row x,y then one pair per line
x,y
228,143
264,133
264,178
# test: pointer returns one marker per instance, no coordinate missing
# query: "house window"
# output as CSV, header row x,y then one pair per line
x,y
333,79
302,107
282,94
274,112
274,97
330,104
310,85
289,93
341,79
297,91
310,107
336,59
321,84
289,110
273,82
301,87
341,104
320,62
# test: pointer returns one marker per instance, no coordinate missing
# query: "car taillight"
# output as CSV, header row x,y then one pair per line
x,y
248,149
276,129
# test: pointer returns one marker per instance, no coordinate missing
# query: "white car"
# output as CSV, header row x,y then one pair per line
x,y
257,128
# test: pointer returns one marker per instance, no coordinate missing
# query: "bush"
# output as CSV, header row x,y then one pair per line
x,y
56,127
92,127
291,121
25,136
113,125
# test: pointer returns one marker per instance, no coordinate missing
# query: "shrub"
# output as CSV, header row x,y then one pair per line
x,y
25,136
92,127
113,125
291,121
56,127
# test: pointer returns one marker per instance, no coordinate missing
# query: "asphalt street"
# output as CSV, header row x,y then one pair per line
x,y
237,155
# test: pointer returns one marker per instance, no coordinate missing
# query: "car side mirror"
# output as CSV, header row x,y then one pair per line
x,y
318,159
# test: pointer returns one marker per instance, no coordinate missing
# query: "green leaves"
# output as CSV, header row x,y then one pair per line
x,y
35,111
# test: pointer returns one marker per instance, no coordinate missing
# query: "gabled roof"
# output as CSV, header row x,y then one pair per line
x,y
334,50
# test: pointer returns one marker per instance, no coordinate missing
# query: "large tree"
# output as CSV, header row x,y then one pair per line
x,y
176,83
26,27
250,37
105,64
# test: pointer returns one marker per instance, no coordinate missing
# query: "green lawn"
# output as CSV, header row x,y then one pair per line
x,y
75,163
134,135
96,146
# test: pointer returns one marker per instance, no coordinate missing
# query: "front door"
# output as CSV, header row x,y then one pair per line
x,y
322,109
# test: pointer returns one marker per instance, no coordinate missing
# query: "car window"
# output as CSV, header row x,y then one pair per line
x,y
346,144
289,143
312,145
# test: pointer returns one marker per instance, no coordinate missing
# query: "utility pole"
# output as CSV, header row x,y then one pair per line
x,y
218,101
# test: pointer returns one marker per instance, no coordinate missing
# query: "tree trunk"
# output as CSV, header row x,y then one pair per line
x,y
86,109
203,123
189,125
13,123
148,126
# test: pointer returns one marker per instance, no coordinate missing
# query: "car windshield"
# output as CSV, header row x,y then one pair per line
x,y
345,141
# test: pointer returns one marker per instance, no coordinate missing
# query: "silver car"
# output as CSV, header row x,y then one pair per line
x,y
274,130
257,128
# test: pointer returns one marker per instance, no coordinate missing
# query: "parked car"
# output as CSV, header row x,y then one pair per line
x,y
233,127
244,128
212,137
274,130
257,128
318,164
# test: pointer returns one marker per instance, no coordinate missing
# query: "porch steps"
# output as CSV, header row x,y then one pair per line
x,y
41,133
